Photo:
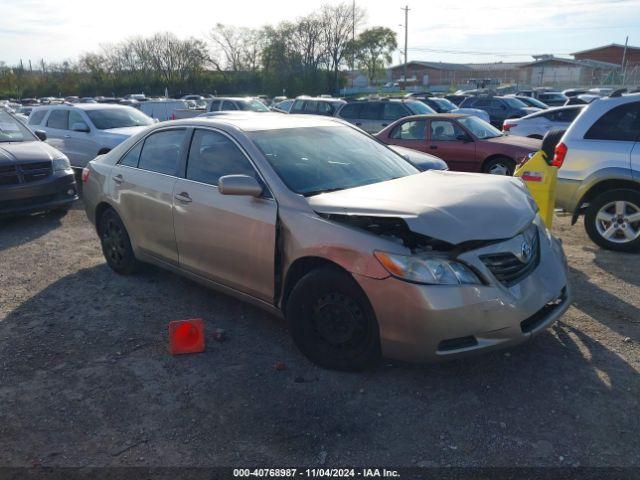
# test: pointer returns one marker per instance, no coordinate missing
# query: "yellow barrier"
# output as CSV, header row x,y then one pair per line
x,y
541,179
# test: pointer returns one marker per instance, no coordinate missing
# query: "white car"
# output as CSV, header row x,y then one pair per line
x,y
599,160
162,110
537,124
83,131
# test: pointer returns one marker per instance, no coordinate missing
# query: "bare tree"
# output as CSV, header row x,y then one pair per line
x,y
338,24
236,48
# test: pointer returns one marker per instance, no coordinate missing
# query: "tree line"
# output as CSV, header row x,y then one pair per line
x,y
305,56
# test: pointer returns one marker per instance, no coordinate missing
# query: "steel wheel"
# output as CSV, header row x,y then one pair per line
x,y
619,221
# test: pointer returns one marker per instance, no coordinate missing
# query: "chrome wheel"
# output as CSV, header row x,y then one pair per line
x,y
619,221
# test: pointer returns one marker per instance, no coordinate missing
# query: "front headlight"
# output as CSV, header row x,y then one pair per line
x,y
61,164
429,269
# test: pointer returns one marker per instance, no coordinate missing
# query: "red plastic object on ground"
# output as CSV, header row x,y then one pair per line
x,y
186,336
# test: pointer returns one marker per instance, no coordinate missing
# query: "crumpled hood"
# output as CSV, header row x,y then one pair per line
x,y
27,152
454,207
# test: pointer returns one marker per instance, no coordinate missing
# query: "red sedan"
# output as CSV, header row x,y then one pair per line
x,y
465,142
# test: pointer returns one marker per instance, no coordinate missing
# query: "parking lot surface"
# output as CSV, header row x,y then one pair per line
x,y
86,378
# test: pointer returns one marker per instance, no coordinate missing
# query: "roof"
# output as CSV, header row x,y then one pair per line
x,y
580,63
436,65
629,47
84,106
255,121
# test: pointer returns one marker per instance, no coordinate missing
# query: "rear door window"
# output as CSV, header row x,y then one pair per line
x,y
372,111
161,151
58,119
215,106
36,117
351,110
411,130
228,105
310,107
621,123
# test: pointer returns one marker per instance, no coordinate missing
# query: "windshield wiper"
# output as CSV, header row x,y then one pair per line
x,y
324,190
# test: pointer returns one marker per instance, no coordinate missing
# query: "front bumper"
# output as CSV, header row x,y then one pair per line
x,y
57,190
423,323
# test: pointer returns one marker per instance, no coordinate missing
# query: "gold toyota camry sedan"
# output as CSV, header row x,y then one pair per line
x,y
314,220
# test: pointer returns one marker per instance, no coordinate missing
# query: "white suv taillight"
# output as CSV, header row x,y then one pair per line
x,y
85,174
559,155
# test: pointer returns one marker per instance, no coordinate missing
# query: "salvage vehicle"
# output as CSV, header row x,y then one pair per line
x,y
465,142
84,130
34,177
599,175
315,220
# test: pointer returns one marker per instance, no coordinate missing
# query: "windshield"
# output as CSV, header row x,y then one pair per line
x,y
534,102
118,118
253,105
314,160
480,129
444,104
419,108
514,102
11,130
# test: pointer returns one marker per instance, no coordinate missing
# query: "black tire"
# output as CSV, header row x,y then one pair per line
x,y
116,245
550,141
332,321
605,203
501,163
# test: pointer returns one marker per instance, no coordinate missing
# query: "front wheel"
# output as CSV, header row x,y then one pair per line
x,y
116,245
332,321
612,220
499,166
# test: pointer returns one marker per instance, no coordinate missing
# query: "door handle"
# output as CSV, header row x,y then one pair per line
x,y
358,124
433,147
118,179
67,136
183,197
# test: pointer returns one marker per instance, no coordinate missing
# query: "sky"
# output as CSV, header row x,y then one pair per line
x,y
453,31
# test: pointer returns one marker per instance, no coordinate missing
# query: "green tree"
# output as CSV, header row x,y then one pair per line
x,y
372,50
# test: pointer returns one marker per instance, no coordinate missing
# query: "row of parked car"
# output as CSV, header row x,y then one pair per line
x,y
313,219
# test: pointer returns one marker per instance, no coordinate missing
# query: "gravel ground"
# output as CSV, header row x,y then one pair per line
x,y
86,380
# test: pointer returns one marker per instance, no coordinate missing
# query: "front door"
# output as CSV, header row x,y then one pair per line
x,y
450,142
226,238
144,182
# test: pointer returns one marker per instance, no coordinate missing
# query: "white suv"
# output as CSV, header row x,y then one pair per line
x,y
599,156
83,131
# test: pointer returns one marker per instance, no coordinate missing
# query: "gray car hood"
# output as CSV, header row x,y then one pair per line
x,y
454,207
12,152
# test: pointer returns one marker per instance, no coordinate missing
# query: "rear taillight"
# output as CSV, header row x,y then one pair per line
x,y
506,127
559,155
85,174
173,116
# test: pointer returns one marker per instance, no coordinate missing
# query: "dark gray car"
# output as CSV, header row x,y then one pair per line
x,y
34,176
499,108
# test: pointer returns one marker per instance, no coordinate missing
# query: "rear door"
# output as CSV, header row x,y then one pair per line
x,y
371,117
392,111
352,113
229,239
56,129
447,140
143,183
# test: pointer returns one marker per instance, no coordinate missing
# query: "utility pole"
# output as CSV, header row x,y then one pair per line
x,y
624,59
406,42
353,40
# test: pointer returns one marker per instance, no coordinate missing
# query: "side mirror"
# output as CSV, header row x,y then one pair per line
x,y
239,185
41,134
80,127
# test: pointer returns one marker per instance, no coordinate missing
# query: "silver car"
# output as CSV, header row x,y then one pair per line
x,y
84,130
314,220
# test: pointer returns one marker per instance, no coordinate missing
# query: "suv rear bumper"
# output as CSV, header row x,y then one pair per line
x,y
58,190
566,194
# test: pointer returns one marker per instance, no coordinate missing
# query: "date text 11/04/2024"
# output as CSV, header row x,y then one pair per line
x,y
316,473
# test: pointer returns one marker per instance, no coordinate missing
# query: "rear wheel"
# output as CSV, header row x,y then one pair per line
x,y
612,220
499,166
332,322
116,245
